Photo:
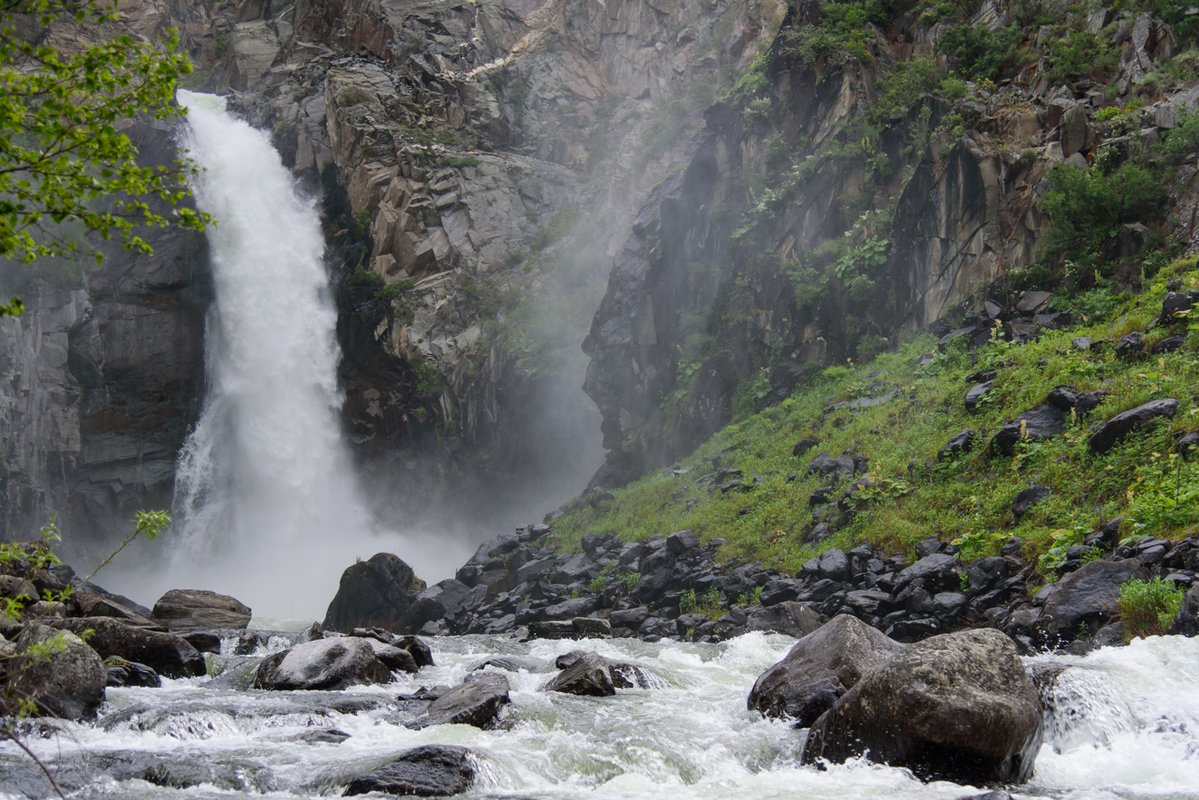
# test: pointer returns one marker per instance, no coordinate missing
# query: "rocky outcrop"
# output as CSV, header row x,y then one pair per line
x,y
957,707
376,593
166,653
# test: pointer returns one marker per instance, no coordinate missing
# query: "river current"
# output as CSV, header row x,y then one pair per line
x,y
1126,725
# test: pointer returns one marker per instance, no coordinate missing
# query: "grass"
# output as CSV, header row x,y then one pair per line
x,y
1148,607
967,500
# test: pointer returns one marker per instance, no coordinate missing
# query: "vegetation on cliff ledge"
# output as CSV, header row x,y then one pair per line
x,y
763,485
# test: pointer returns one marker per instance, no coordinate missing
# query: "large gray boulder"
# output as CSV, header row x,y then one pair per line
x,y
189,610
1086,600
820,668
324,664
167,654
957,707
68,682
435,770
377,593
477,701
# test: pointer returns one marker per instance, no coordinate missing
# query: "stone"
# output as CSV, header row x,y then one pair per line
x,y
680,543
436,770
121,672
957,707
168,654
1112,431
1175,306
960,443
187,610
477,701
820,668
1131,346
67,683
376,593
1186,621
790,618
1043,422
1086,600
323,664
588,675
937,573
1027,498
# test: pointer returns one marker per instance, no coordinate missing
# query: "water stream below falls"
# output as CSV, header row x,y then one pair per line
x,y
1126,726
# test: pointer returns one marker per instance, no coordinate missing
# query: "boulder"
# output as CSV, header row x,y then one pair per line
x,y
588,675
435,770
477,701
67,683
625,675
121,672
962,442
1086,599
1186,621
1043,422
420,653
790,618
168,654
323,664
820,668
377,593
188,610
957,707
1112,431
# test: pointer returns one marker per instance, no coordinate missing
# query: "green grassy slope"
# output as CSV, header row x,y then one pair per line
x,y
913,496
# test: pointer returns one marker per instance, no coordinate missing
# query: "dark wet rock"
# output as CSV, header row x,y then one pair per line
x,y
512,664
843,467
998,794
1186,621
680,543
1131,346
421,655
1112,431
429,771
957,707
803,446
588,675
960,443
977,393
324,736
820,668
377,593
938,572
1027,498
248,642
68,682
1032,301
1043,422
477,701
204,641
121,672
1168,345
1175,306
324,664
576,628
168,654
188,610
1086,600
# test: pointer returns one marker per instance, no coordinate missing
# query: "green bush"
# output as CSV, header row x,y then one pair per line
x,y
977,53
1088,206
1078,54
1148,607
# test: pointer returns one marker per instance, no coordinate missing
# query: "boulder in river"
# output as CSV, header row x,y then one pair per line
x,y
188,610
376,593
477,701
430,771
323,664
166,653
67,683
957,707
122,672
820,668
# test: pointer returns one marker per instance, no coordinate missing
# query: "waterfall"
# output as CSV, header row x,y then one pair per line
x,y
267,508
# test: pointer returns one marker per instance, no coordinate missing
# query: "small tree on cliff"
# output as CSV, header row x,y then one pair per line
x,y
67,170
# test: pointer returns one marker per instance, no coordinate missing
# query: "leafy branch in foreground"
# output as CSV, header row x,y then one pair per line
x,y
67,169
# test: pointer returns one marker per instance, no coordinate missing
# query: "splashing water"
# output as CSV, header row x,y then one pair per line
x,y
267,507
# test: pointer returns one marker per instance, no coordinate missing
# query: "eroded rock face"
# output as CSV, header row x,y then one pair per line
x,y
957,707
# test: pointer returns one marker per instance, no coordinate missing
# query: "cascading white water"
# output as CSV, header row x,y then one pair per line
x,y
1123,727
267,507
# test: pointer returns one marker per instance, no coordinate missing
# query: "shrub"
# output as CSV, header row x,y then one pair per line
x,y
977,53
1148,607
1088,206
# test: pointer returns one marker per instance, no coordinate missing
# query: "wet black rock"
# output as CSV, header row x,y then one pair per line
x,y
429,771
588,675
977,394
377,593
1186,621
477,701
1112,431
1086,600
820,668
957,707
1026,499
1043,422
121,672
960,443
1131,346
166,653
